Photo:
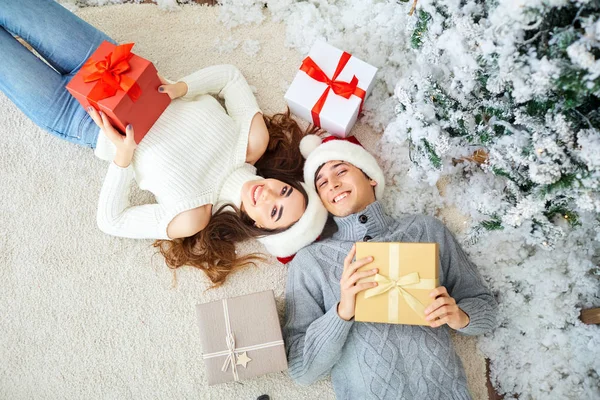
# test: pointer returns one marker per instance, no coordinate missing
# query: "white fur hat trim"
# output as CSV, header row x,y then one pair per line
x,y
308,144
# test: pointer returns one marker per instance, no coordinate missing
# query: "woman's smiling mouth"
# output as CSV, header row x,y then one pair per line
x,y
256,191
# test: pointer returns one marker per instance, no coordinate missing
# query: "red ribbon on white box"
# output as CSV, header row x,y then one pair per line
x,y
340,88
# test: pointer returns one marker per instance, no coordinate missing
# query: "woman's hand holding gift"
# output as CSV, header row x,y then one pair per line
x,y
125,145
174,90
444,310
349,286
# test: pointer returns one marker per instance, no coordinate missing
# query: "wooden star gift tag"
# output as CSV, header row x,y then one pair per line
x,y
243,359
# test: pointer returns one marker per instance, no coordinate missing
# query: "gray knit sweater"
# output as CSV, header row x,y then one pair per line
x,y
379,361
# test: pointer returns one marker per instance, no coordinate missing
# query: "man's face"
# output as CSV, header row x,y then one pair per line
x,y
343,188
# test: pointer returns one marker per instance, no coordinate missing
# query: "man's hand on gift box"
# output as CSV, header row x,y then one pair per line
x,y
444,310
174,90
349,285
125,144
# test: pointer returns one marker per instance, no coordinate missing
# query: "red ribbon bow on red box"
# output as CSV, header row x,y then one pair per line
x,y
344,89
110,75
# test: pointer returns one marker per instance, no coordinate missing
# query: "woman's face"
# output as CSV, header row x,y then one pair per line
x,y
272,203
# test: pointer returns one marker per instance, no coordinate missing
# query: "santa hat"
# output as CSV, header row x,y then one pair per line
x,y
319,151
308,228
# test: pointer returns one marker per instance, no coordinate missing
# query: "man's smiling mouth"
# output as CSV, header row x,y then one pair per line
x,y
340,197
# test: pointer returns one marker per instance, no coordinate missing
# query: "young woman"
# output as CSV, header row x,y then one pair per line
x,y
199,160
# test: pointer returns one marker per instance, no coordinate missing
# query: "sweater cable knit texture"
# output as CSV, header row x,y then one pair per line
x,y
379,361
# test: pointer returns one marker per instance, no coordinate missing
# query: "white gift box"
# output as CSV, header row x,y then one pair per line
x,y
338,114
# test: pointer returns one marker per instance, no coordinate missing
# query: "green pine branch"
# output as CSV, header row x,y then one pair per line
x,y
416,40
565,182
492,225
433,157
563,211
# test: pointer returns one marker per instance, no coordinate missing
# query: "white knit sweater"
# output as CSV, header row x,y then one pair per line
x,y
193,155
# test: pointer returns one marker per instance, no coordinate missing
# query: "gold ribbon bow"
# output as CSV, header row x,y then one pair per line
x,y
408,281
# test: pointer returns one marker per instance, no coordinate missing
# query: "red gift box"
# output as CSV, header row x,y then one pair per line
x,y
123,85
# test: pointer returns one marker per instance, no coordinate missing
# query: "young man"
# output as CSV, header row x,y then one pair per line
x,y
368,360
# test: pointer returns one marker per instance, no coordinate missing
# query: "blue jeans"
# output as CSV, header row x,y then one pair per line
x,y
65,41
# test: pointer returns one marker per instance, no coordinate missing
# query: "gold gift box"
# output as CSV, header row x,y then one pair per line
x,y
408,272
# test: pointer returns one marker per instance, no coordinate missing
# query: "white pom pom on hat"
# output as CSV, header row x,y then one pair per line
x,y
308,144
319,151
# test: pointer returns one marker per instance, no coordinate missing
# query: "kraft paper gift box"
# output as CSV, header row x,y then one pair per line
x,y
408,272
330,88
122,85
241,337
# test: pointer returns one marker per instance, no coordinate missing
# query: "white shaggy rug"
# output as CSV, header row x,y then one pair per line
x,y
88,316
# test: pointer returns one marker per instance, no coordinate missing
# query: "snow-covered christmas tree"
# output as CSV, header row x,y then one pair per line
x,y
520,83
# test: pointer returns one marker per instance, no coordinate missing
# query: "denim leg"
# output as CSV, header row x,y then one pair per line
x,y
65,41
62,38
